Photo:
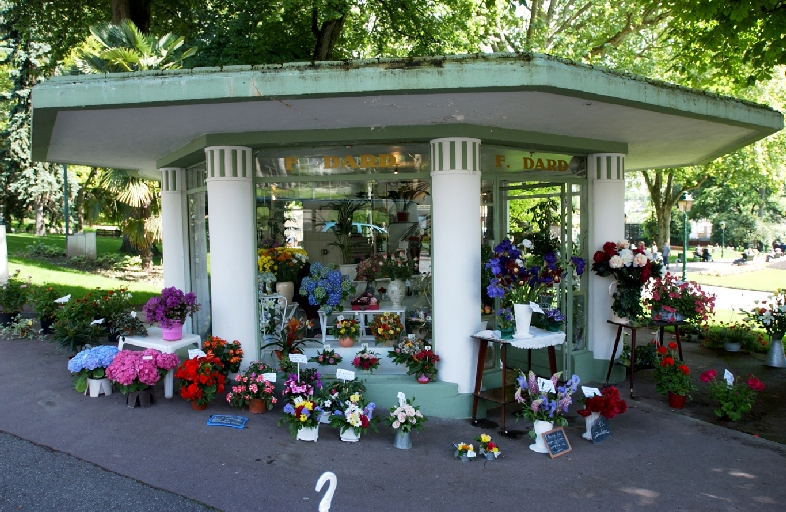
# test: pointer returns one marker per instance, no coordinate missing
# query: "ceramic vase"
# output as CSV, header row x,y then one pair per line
x,y
173,333
590,420
540,427
97,386
346,341
396,291
308,434
523,314
348,435
423,379
402,440
287,290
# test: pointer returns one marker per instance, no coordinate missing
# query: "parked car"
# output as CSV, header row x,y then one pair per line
x,y
358,228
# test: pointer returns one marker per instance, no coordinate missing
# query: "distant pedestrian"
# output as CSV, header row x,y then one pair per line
x,y
666,251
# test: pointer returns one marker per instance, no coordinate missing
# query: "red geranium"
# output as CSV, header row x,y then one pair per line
x,y
201,379
708,376
662,350
684,369
672,345
667,361
755,384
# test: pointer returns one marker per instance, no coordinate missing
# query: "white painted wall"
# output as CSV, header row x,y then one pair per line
x,y
455,195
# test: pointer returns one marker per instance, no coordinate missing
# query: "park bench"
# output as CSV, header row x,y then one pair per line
x,y
109,232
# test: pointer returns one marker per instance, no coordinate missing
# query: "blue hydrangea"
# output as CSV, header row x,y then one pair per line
x,y
92,358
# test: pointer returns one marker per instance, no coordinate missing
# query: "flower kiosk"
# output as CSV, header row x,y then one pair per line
x,y
432,158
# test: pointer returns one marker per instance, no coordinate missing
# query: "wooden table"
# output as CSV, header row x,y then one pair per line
x,y
633,327
504,395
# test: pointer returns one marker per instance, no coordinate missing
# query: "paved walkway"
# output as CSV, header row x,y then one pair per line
x,y
655,459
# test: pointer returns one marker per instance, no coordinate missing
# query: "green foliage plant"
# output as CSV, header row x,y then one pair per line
x,y
42,298
672,375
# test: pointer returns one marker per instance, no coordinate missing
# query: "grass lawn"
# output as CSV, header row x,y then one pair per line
x,y
75,282
726,316
766,280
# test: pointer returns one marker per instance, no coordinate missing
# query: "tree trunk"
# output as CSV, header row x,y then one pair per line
x,y
38,206
80,200
147,259
327,35
664,229
126,247
137,11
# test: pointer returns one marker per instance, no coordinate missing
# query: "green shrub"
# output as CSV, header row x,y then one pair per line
x,y
750,339
42,250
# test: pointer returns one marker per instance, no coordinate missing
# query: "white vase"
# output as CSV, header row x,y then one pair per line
x,y
348,434
396,291
523,313
324,417
350,270
287,290
97,386
589,421
308,434
539,445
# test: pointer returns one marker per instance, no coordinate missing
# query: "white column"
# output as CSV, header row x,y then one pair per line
x,y
233,269
455,195
606,172
174,228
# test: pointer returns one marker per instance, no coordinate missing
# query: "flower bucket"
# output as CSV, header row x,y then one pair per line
x,y
775,356
287,290
490,455
173,333
728,346
589,421
349,435
324,417
396,291
523,314
423,379
402,440
257,406
7,319
97,386
346,341
540,427
676,401
308,434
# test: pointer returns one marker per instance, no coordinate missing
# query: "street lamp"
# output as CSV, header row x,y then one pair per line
x,y
684,204
723,236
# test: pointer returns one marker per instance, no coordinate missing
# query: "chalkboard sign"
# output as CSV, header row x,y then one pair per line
x,y
227,420
600,429
556,442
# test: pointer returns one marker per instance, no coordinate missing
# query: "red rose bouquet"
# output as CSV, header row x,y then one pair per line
x,y
201,379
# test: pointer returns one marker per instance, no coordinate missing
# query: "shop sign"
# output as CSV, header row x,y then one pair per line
x,y
382,160
533,162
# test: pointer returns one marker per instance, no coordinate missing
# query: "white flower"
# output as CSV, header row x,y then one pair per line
x,y
615,262
649,254
519,262
133,314
639,260
402,417
396,424
627,257
527,244
340,318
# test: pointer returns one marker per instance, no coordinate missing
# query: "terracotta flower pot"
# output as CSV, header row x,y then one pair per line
x,y
257,406
346,341
198,407
676,401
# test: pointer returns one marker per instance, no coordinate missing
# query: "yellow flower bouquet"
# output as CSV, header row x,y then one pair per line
x,y
386,327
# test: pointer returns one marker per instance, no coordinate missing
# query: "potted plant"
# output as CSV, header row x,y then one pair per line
x,y
229,354
43,298
170,311
551,319
405,418
423,365
13,296
135,372
506,322
673,300
76,324
543,403
488,448
327,357
346,330
302,417
734,336
398,268
366,360
326,287
88,368
672,376
771,314
201,379
113,307
288,339
252,389
330,397
465,452
365,301
304,385
386,328
285,263
345,210
609,404
735,399
631,269
405,349
352,417
20,329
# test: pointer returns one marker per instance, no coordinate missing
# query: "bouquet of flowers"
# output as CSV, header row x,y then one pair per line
x,y
464,451
406,417
251,385
404,351
544,404
326,287
172,306
609,403
133,370
512,279
396,266
735,399
672,375
346,328
505,320
326,358
366,360
353,413
201,379
771,314
284,262
386,327
91,364
300,413
551,319
422,363
364,301
368,269
339,392
305,385
632,268
671,297
229,354
487,446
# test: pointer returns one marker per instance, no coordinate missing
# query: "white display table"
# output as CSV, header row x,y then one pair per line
x,y
156,341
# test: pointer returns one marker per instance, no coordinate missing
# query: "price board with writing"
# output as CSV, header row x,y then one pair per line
x,y
298,358
270,377
557,442
345,374
600,430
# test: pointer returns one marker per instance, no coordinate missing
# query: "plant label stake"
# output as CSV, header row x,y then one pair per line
x,y
590,392
728,377
364,346
345,375
326,346
270,377
427,347
193,353
546,385
298,358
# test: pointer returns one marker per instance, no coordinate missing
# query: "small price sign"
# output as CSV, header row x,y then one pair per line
x,y
326,346
590,392
728,377
427,347
546,385
298,358
345,374
195,352
270,377
364,346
